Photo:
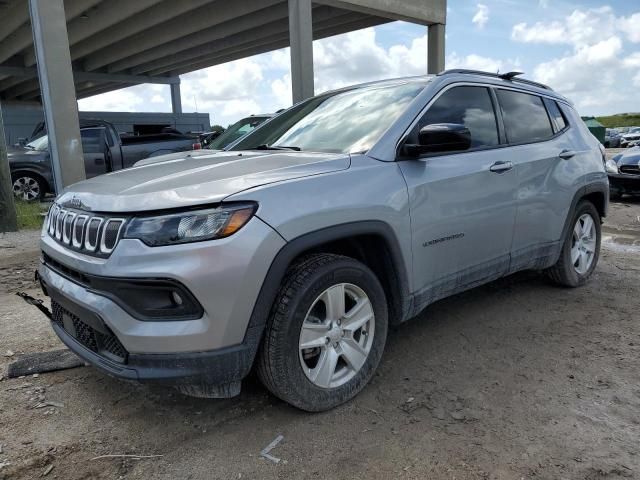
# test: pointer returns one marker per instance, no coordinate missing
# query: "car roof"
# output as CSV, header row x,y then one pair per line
x,y
477,76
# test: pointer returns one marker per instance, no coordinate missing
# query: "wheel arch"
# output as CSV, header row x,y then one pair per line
x,y
371,242
598,194
34,173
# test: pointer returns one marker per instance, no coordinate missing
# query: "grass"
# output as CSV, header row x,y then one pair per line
x,y
29,215
620,120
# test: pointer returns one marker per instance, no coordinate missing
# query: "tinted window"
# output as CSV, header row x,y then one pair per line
x,y
92,140
557,118
468,106
525,118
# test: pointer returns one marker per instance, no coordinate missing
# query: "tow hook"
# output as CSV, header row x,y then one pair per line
x,y
39,304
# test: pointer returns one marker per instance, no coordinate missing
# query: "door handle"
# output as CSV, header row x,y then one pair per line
x,y
566,154
501,167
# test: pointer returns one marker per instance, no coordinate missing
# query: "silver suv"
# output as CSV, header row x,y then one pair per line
x,y
296,248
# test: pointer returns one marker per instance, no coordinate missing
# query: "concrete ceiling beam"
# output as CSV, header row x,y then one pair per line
x,y
179,27
99,18
192,47
22,37
135,24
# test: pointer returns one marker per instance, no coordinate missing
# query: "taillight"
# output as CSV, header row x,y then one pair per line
x,y
196,146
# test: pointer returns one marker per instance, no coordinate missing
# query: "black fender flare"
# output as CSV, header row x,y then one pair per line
x,y
586,190
308,241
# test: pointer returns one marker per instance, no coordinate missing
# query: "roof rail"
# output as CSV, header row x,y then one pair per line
x,y
510,76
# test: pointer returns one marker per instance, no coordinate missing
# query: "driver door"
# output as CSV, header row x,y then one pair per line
x,y
462,203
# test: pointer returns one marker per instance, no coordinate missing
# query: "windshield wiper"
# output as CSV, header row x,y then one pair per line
x,y
264,146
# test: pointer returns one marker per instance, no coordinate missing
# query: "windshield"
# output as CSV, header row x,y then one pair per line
x,y
41,144
235,131
347,121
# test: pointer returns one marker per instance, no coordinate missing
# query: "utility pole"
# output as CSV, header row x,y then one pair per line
x,y
8,216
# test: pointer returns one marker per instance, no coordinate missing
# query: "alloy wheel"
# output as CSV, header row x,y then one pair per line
x,y
583,244
26,188
337,335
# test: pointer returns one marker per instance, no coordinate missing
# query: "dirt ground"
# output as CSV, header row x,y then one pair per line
x,y
516,379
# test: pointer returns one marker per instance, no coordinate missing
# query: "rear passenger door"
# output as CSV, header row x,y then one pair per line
x,y
462,203
545,163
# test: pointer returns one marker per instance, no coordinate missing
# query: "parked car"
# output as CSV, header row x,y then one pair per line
x,y
624,173
207,137
630,138
612,138
104,151
237,130
296,248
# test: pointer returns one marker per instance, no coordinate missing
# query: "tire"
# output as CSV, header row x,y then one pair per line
x,y
285,367
28,186
567,272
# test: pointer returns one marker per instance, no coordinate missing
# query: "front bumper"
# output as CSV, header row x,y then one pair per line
x,y
225,277
218,367
620,183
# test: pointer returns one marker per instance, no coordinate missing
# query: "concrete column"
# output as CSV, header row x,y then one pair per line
x,y
435,48
57,91
176,99
8,216
301,41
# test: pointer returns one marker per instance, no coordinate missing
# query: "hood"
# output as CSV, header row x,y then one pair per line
x,y
21,155
629,157
196,180
174,156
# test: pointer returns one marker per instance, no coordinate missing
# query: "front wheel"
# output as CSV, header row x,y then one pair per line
x,y
28,186
326,333
581,248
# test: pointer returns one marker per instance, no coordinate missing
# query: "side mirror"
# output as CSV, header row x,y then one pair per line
x,y
441,137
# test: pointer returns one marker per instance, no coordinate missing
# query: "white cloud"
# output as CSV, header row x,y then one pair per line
x,y
636,80
478,62
593,74
352,58
631,26
481,17
632,61
581,27
126,100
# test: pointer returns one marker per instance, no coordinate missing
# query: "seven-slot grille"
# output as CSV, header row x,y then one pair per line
x,y
84,232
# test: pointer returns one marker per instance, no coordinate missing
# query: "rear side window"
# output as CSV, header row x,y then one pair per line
x,y
557,118
468,106
525,118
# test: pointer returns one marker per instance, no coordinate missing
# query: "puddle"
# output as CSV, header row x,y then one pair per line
x,y
621,242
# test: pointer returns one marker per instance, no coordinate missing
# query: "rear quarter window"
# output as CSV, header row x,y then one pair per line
x,y
557,117
525,117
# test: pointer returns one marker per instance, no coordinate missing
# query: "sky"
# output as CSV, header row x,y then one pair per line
x,y
587,50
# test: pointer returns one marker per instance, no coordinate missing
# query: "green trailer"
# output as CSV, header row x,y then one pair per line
x,y
596,128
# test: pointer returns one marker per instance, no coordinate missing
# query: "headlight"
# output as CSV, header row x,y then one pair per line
x,y
190,226
611,166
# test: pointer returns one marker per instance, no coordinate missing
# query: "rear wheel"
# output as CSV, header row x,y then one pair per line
x,y
581,248
326,333
28,186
